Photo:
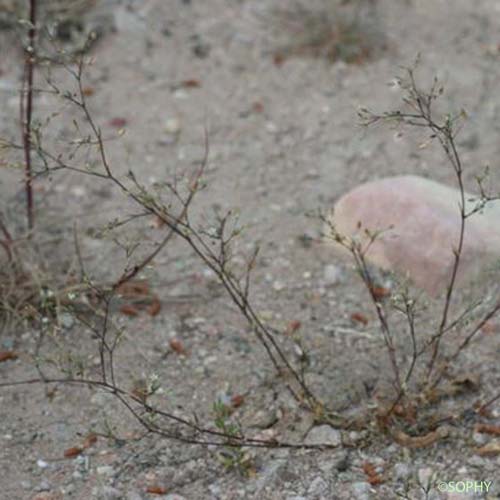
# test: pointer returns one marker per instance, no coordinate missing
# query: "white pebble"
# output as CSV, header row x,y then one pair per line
x,y
278,286
105,470
172,126
332,274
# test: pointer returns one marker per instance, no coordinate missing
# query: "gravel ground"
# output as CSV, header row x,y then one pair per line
x,y
284,142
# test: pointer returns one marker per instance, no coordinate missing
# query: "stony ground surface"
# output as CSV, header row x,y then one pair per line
x,y
284,141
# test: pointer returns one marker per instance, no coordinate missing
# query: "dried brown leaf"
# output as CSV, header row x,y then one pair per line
x,y
88,91
358,317
237,400
380,292
292,327
129,310
369,469
177,346
420,441
154,307
191,83
118,122
156,490
90,440
257,107
278,59
488,429
489,450
373,476
73,452
134,289
407,411
7,355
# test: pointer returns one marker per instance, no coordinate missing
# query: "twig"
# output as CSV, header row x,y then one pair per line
x,y
27,111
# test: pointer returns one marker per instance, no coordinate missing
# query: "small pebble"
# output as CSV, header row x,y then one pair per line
x,y
332,275
317,487
479,438
26,485
477,461
110,493
68,489
215,490
425,476
264,419
324,435
78,191
172,126
271,127
362,491
278,286
401,471
180,94
43,486
8,343
133,495
66,320
105,470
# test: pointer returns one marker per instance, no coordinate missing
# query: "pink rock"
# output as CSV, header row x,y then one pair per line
x,y
426,221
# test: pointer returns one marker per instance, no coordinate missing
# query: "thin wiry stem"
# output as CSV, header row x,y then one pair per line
x,y
129,399
27,111
176,224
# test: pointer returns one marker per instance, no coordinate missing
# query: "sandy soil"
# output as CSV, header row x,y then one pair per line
x,y
284,142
